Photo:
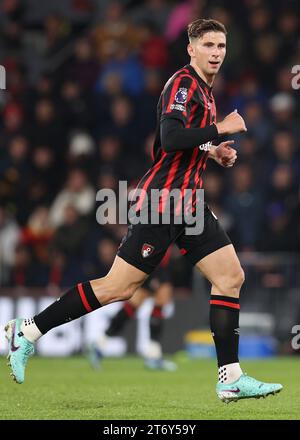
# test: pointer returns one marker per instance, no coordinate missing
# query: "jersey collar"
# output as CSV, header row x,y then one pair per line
x,y
202,83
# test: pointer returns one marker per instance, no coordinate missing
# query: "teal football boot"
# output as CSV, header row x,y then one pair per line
x,y
20,349
94,356
246,387
160,364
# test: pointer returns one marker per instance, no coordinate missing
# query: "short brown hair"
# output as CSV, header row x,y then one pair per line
x,y
199,27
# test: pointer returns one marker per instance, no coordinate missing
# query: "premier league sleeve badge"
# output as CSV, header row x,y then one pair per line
x,y
181,95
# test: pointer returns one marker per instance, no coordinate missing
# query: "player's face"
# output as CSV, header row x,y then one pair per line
x,y
208,52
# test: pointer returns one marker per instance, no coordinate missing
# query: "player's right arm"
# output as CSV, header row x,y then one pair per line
x,y
176,137
178,103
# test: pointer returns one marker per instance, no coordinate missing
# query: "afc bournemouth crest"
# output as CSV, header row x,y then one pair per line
x,y
147,250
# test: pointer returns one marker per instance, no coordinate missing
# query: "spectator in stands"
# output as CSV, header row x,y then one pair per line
x,y
83,68
77,192
244,202
9,238
70,236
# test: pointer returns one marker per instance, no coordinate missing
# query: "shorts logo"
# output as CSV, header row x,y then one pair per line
x,y
181,95
147,250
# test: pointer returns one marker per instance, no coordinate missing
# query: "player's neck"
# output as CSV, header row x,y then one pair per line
x,y
208,79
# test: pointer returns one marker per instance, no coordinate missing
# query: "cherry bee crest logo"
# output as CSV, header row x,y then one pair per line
x,y
147,250
181,95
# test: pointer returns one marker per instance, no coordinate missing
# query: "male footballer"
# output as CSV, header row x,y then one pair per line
x,y
186,137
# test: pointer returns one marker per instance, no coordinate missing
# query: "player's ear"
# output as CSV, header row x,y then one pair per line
x,y
190,49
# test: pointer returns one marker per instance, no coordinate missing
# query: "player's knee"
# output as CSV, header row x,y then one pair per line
x,y
127,293
121,292
241,277
231,284
138,297
108,290
236,280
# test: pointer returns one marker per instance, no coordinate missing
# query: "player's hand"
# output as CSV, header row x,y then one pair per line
x,y
225,155
231,124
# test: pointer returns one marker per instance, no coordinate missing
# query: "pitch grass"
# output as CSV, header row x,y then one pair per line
x,y
122,389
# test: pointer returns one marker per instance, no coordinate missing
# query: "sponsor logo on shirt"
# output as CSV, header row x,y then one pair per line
x,y
206,146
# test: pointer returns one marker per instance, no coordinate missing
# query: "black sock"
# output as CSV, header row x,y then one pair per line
x,y
156,323
224,324
119,320
76,302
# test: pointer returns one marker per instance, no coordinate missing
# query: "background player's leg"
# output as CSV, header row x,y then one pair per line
x,y
117,324
222,268
162,297
126,312
153,353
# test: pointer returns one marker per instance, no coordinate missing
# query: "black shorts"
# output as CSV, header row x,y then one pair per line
x,y
144,246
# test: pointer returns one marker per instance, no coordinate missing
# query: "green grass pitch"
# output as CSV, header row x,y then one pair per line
x,y
123,389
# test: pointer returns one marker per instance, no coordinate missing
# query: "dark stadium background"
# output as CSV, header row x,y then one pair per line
x,y
83,78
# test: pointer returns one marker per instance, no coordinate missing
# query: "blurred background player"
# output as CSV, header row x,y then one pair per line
x,y
159,287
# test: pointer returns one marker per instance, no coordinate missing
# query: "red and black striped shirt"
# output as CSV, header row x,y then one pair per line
x,y
188,98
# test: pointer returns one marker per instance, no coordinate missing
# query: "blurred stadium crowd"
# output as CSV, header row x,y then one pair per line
x,y
83,78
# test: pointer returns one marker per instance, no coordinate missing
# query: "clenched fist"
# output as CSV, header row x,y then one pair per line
x,y
231,124
225,155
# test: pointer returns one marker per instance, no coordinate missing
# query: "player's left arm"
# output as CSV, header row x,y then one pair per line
x,y
223,154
